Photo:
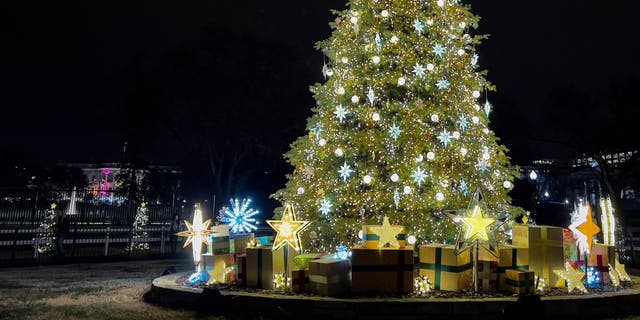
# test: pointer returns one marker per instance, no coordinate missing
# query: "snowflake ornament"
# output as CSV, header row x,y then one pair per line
x,y
395,131
419,26
325,207
419,176
443,84
341,113
345,171
240,217
438,50
445,137
419,70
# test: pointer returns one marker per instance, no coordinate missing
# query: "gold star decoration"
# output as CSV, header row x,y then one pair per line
x,y
621,270
477,227
589,228
220,273
387,234
572,277
288,230
53,206
197,233
614,277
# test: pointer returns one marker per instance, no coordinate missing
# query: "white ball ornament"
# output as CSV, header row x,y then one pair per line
x,y
375,116
395,177
339,152
486,156
411,240
430,66
300,190
367,179
435,118
463,151
401,81
384,13
460,52
429,22
355,99
345,60
407,190
375,59
456,135
431,155
394,39
439,196
360,234
475,119
354,19
463,24
507,184
419,158
322,142
440,3
476,94
340,90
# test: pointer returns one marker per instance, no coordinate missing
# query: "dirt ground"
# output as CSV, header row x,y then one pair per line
x,y
85,291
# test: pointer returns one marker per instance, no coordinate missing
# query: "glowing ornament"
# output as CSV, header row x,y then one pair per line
x,y
431,155
419,26
463,151
339,152
401,81
541,284
281,282
322,142
375,59
220,273
476,94
456,135
440,196
439,50
325,206
345,60
197,234
340,90
572,277
589,228
435,118
375,116
443,84
240,217
394,39
507,184
395,177
463,122
343,252
445,138
353,19
395,131
422,285
419,70
463,25
430,67
366,179
419,158
407,190
355,99
440,3
474,60
288,230
533,175
429,22
345,171
419,176
387,234
460,52
371,96
411,240
475,119
384,13
341,113
300,190
487,108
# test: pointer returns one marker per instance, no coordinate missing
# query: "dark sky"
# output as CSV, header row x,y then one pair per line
x,y
64,63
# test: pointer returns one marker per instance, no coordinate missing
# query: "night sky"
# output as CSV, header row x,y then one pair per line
x,y
80,78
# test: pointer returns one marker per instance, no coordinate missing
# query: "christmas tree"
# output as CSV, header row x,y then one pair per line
x,y
401,125
47,231
140,222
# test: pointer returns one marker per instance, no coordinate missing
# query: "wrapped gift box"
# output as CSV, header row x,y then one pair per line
x,y
569,245
263,263
370,239
487,276
445,269
219,241
241,267
511,258
265,240
602,255
382,271
546,252
520,282
329,277
300,281
219,267
238,244
301,262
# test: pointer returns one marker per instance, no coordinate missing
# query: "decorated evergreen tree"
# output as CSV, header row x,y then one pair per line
x,y
401,125
140,222
47,235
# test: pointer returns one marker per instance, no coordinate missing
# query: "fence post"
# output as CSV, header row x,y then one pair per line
x,y
15,243
106,243
162,240
36,245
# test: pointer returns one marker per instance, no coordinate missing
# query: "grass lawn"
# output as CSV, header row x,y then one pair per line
x,y
85,291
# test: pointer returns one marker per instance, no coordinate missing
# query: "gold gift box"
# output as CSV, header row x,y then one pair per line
x,y
239,243
520,282
516,258
446,269
263,263
546,251
221,261
329,277
371,240
382,271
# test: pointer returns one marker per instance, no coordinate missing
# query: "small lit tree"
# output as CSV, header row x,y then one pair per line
x,y
139,234
46,238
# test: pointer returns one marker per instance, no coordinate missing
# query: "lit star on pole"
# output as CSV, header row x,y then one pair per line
x,y
445,137
419,70
197,234
341,113
419,175
387,233
345,171
288,230
477,226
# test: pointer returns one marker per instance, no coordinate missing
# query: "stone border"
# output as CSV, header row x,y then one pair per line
x,y
237,304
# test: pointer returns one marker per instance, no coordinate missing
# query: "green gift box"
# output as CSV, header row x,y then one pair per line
x,y
447,270
516,258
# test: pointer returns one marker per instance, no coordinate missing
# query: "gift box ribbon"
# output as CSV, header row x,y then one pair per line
x,y
375,237
299,280
437,267
400,268
336,278
526,283
514,263
259,269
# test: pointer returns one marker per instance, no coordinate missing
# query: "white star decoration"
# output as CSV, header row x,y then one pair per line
x,y
419,70
419,175
445,138
341,113
345,171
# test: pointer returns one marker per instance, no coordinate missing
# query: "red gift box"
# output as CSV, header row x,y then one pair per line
x,y
487,276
